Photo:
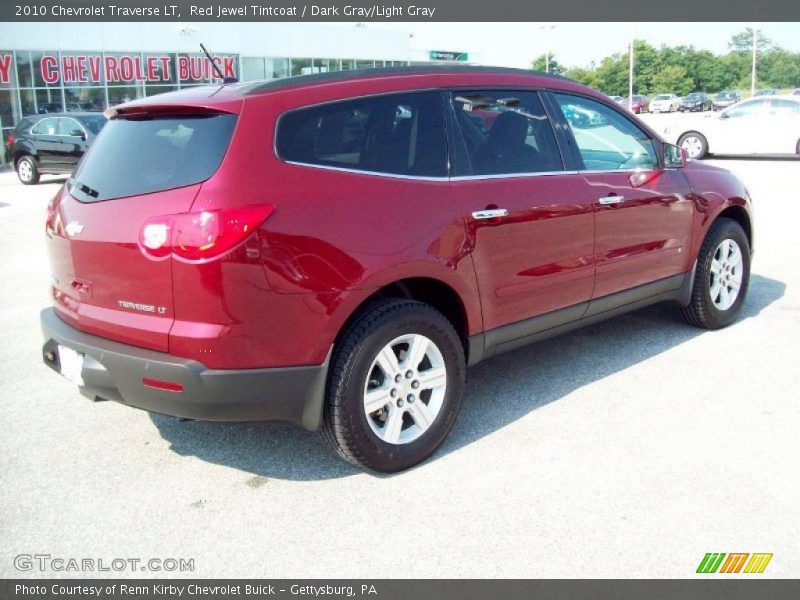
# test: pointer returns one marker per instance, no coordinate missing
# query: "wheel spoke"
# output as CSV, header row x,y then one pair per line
x,y
394,424
723,251
432,378
421,414
416,352
735,256
376,399
716,266
724,297
735,284
388,362
715,291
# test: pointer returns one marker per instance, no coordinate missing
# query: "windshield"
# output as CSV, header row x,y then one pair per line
x,y
723,95
694,96
663,97
144,155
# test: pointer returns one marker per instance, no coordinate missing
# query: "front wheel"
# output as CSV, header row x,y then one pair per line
x,y
27,171
396,383
721,276
694,143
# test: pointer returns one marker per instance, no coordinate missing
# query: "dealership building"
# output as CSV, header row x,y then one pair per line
x,y
50,67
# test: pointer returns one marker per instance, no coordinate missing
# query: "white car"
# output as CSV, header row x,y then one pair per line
x,y
664,103
762,125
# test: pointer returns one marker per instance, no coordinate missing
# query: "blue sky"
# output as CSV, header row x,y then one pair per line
x,y
575,44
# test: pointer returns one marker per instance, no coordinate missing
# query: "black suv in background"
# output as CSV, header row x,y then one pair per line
x,y
725,99
51,143
696,101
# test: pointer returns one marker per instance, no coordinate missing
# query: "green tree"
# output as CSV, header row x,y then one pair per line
x,y
743,41
588,77
672,79
540,64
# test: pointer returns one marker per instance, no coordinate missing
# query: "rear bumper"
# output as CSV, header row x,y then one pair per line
x,y
115,371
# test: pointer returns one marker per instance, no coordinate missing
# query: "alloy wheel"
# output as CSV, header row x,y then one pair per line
x,y
727,269
693,146
25,170
405,389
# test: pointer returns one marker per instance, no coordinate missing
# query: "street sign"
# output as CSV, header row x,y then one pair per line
x,y
452,56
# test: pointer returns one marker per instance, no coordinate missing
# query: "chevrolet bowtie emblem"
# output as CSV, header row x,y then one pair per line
x,y
73,228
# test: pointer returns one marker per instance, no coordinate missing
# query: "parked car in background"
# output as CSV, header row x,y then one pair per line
x,y
665,103
637,104
762,125
725,99
222,252
618,99
767,92
696,101
51,143
796,92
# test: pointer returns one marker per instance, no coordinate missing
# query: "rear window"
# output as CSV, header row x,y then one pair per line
x,y
144,155
94,123
402,134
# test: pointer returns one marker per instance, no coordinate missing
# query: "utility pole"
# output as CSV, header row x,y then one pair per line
x,y
550,27
755,52
630,76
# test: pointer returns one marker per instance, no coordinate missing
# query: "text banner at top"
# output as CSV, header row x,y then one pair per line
x,y
424,10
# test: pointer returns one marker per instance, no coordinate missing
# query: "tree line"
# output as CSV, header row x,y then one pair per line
x,y
684,69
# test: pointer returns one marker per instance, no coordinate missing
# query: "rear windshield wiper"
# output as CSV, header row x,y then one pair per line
x,y
89,191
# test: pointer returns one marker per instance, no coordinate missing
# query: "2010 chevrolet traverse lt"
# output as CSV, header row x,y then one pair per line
x,y
334,250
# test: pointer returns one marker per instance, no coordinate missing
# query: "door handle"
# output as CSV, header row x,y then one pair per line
x,y
606,200
492,213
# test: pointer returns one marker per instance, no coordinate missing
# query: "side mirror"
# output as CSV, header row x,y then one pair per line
x,y
674,157
78,133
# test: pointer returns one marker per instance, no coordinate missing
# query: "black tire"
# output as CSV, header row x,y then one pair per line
x,y
703,143
27,170
345,423
701,311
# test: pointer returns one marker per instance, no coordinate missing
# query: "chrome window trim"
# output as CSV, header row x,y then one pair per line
x,y
364,172
469,177
512,175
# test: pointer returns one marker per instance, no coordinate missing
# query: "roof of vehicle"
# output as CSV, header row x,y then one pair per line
x,y
229,97
339,76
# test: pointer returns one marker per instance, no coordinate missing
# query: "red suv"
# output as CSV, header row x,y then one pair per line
x,y
334,250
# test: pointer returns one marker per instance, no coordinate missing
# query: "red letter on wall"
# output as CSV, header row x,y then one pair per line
x,y
49,68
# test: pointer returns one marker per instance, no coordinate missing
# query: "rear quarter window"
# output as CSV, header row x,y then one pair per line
x,y
399,134
145,155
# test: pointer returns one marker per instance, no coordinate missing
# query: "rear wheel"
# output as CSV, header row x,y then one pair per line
x,y
694,143
27,170
721,277
396,383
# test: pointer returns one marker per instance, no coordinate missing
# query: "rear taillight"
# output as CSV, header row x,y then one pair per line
x,y
200,236
9,140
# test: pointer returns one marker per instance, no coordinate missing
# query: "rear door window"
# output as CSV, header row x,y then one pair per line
x,y
606,139
144,155
399,134
45,127
506,132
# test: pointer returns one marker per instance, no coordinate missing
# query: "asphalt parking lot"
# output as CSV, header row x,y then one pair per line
x,y
628,449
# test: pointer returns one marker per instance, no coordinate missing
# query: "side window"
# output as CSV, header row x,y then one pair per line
x,y
785,107
753,107
400,134
45,127
506,132
68,127
606,140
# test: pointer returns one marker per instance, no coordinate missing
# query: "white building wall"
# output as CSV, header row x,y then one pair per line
x,y
286,40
